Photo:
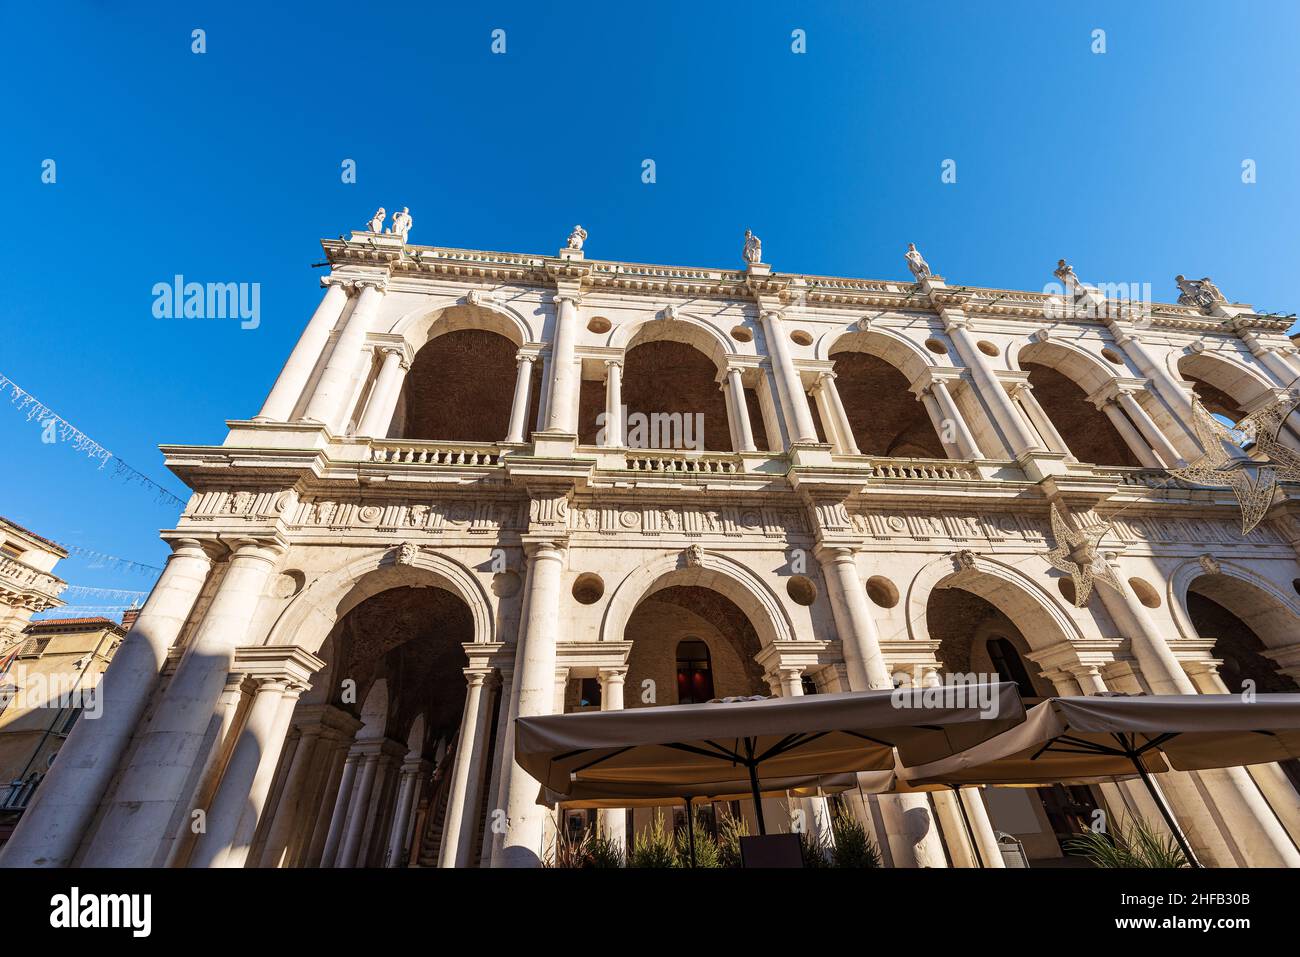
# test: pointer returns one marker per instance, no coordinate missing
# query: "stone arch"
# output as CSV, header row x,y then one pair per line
x,y
717,572
1224,374
1089,372
902,353
308,619
687,329
421,326
1039,616
1276,620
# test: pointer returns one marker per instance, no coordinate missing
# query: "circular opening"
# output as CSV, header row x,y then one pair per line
x,y
288,583
1146,594
588,588
986,347
802,589
1066,587
741,334
505,584
599,324
801,337
1111,356
882,591
934,345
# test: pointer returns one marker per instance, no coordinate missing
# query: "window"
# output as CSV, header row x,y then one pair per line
x,y
694,672
589,693
809,684
1009,666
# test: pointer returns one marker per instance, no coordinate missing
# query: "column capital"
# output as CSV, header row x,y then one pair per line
x,y
614,361
573,297
289,664
331,280
616,675
545,548
378,283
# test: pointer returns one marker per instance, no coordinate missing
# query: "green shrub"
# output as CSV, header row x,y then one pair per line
x,y
1135,844
853,846
707,853
654,846
730,831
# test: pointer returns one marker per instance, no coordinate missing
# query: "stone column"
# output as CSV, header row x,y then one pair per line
x,y
383,398
53,825
1128,433
834,420
967,447
1163,382
1283,371
215,842
1157,439
297,370
360,805
954,829
289,809
467,773
815,809
866,671
402,814
335,385
342,802
1006,414
612,823
562,413
1023,393
522,841
985,837
740,412
155,785
789,386
614,403
519,404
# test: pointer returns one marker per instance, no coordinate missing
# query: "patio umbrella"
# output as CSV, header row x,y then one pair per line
x,y
1080,740
775,737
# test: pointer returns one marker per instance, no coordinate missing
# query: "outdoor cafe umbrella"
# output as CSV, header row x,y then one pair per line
x,y
1081,739
774,737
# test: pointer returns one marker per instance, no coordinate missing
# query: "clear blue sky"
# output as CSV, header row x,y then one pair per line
x,y
226,167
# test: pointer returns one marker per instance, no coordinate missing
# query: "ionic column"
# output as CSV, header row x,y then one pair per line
x,y
1128,433
1005,412
612,822
1023,393
535,669
834,418
614,403
1283,371
175,741
789,386
383,398
55,822
215,842
1163,382
562,416
360,810
342,801
985,837
967,447
740,412
519,404
466,773
297,370
335,385
402,814
289,808
1157,439
815,809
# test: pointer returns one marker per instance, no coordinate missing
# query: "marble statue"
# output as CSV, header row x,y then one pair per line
x,y
577,237
1202,293
920,269
401,223
753,251
377,220
1065,272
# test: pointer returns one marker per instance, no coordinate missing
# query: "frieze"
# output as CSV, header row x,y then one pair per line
x,y
470,517
729,521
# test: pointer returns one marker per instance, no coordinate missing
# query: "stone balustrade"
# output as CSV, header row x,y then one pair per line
x,y
19,576
948,470
462,454
702,463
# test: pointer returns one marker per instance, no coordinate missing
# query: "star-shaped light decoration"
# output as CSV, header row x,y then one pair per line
x,y
1076,553
1247,458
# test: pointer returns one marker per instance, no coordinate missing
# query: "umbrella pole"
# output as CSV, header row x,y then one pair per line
x,y
753,787
1164,810
970,831
690,830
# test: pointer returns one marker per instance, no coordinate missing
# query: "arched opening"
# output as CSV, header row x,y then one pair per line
x,y
379,736
460,389
1224,388
885,416
673,401
694,672
1087,432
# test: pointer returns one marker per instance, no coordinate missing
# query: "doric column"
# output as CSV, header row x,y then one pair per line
x,y
1283,371
297,370
402,814
1005,413
467,772
1157,439
1023,394
612,822
967,447
739,411
794,401
289,811
985,837
1136,444
1163,382
175,741
535,682
342,802
614,403
519,404
360,805
53,825
335,385
564,367
383,398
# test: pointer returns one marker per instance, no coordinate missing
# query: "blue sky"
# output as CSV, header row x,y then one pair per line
x,y
225,167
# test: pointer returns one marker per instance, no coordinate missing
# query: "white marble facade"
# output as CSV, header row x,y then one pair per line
x,y
229,738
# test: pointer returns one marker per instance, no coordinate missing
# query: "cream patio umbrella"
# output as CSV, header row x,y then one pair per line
x,y
1081,740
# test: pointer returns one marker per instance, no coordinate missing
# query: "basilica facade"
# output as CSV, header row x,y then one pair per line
x,y
489,485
